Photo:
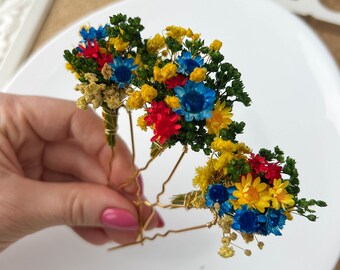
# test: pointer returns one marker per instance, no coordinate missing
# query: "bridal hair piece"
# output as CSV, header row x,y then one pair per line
x,y
185,92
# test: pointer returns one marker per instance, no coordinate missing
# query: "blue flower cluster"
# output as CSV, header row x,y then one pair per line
x,y
244,219
122,71
220,194
187,64
197,101
92,33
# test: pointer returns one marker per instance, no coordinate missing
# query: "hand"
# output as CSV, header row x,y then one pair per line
x,y
54,169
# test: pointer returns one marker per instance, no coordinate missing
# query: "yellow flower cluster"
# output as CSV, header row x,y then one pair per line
x,y
279,195
173,102
70,68
141,122
198,75
106,71
164,73
118,44
220,145
204,176
217,167
148,93
191,35
155,44
226,251
97,94
216,45
220,118
258,195
176,32
137,99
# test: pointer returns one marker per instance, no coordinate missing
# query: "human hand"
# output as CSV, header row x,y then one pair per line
x,y
54,169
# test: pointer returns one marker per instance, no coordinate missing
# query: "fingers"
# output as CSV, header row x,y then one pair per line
x,y
69,157
97,212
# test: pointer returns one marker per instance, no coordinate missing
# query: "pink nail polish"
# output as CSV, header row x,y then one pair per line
x,y
160,222
119,219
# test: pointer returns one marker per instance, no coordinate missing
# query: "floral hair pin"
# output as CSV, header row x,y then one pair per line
x,y
186,92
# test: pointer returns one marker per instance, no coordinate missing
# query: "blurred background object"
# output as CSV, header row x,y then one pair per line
x,y
20,22
323,10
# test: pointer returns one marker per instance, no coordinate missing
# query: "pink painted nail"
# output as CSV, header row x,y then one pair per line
x,y
160,222
119,219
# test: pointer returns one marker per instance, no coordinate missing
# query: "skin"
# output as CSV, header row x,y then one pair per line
x,y
54,169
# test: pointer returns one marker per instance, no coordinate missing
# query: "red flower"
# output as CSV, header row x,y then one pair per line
x,y
164,121
258,163
166,127
179,80
89,51
104,58
156,112
273,172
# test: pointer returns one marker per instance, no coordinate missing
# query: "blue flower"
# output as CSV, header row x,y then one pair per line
x,y
122,71
197,101
187,64
219,194
246,220
93,33
272,222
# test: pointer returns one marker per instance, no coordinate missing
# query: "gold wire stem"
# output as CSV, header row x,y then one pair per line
x,y
132,137
158,203
129,182
110,117
135,179
206,225
185,150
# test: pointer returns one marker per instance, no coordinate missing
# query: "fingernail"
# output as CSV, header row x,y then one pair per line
x,y
160,221
119,219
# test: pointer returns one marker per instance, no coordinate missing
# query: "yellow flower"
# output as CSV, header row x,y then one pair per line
x,y
198,75
172,102
81,103
102,50
289,215
141,122
191,35
220,118
253,193
155,44
204,176
280,197
221,145
222,162
71,68
195,36
135,100
106,71
216,45
177,33
243,148
164,73
226,251
148,92
118,44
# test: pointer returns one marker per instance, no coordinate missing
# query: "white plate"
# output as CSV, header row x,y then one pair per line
x,y
295,87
